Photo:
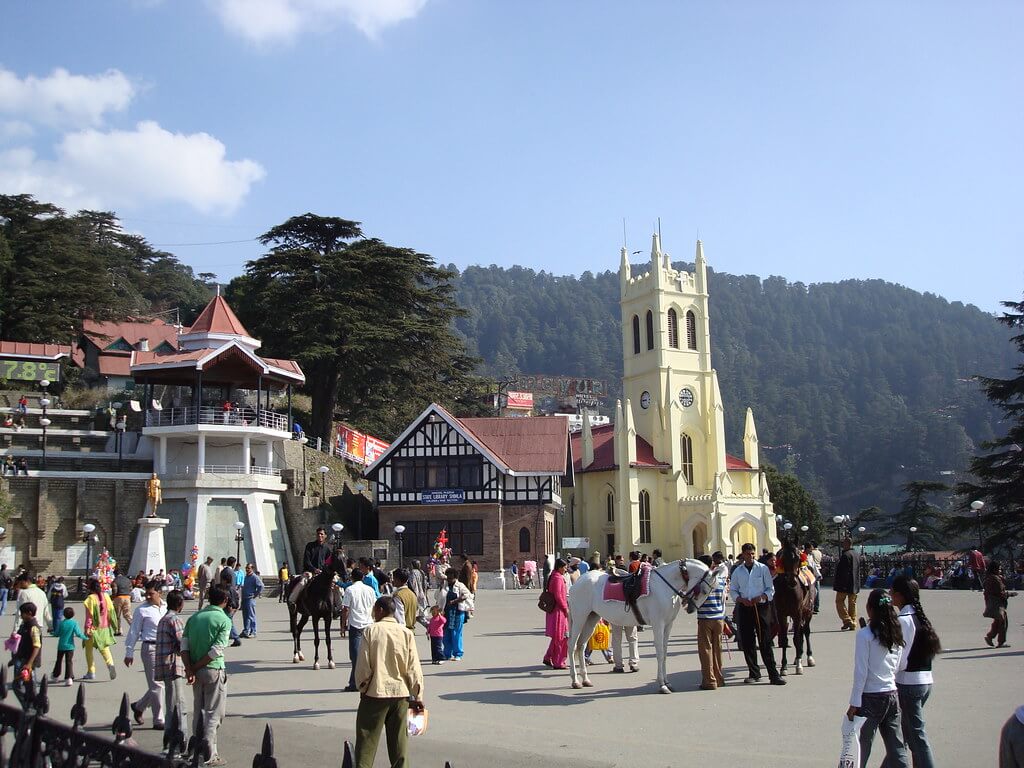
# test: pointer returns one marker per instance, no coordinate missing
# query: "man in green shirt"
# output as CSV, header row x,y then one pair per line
x,y
203,641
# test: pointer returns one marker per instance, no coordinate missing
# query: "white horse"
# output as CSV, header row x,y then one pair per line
x,y
670,584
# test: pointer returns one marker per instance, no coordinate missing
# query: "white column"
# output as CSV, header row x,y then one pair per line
x,y
270,454
201,453
246,454
163,455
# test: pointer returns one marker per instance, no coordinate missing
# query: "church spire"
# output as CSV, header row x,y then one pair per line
x,y
588,440
750,452
625,271
656,250
700,269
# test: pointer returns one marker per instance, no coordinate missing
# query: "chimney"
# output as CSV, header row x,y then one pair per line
x,y
143,345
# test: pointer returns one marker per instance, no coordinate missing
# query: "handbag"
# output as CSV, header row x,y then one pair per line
x,y
601,639
546,602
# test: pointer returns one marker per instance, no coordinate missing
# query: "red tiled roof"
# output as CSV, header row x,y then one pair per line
x,y
218,317
731,462
194,355
31,349
103,333
604,451
527,444
285,365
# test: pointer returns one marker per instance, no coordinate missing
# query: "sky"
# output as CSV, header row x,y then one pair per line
x,y
816,141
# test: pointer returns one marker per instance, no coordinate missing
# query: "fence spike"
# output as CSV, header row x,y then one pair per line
x,y
347,760
42,700
122,727
79,717
265,758
3,682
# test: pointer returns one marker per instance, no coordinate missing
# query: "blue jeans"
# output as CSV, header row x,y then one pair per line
x,y
912,701
882,714
453,634
3,601
355,639
249,616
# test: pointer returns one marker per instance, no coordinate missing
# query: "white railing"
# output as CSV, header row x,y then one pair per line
x,y
238,417
189,470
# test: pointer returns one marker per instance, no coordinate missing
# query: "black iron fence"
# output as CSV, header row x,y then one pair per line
x,y
36,741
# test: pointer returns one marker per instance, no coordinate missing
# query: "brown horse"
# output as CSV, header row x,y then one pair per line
x,y
793,600
316,602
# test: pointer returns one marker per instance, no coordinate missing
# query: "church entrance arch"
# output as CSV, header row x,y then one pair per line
x,y
699,539
744,532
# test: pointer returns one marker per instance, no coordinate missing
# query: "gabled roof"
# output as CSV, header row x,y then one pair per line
x,y
526,444
515,449
103,333
200,359
218,317
732,462
33,350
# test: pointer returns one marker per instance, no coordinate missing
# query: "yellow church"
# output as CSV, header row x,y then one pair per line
x,y
660,476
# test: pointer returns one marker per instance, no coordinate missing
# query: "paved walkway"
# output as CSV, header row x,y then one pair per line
x,y
500,706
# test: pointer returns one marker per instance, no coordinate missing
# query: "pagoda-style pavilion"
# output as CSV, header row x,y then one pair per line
x,y
217,444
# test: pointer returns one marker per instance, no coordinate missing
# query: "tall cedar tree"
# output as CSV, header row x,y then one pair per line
x,y
55,269
998,473
792,501
917,512
370,323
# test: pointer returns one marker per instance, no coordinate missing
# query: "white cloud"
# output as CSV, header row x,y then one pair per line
x,y
125,169
14,129
274,21
62,99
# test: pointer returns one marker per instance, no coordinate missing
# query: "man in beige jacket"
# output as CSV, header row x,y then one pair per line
x,y
390,681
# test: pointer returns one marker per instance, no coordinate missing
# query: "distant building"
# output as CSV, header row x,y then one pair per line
x,y
493,484
104,348
660,476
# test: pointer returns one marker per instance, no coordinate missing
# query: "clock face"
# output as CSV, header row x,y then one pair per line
x,y
645,399
685,397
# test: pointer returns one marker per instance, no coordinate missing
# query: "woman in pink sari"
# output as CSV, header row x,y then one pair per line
x,y
557,624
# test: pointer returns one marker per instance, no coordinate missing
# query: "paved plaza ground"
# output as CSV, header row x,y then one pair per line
x,y
500,706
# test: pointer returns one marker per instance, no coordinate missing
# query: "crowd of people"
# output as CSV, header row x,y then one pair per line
x,y
380,611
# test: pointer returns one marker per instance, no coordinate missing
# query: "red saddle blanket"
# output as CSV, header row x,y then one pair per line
x,y
613,589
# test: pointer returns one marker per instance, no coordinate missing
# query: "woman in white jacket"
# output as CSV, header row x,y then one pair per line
x,y
455,601
879,647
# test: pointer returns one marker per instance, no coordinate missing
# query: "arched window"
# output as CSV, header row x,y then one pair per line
x,y
686,458
636,335
611,507
650,329
524,539
645,517
691,330
673,329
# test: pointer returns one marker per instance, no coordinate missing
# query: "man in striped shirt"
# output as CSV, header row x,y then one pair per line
x,y
710,618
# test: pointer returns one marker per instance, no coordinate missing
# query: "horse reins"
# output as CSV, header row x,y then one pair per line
x,y
686,578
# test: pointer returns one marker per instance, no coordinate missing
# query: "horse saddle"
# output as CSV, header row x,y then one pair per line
x,y
628,588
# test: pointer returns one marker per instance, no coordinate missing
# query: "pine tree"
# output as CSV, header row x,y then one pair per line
x,y
998,473
919,513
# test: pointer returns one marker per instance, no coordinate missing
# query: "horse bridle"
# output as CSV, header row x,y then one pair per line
x,y
687,596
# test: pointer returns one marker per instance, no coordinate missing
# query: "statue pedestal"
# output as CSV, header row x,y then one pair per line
x,y
148,554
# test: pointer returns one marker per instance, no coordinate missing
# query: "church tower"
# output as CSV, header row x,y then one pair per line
x,y
667,373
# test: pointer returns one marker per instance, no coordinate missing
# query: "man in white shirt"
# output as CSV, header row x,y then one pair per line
x,y
357,615
28,592
752,590
145,621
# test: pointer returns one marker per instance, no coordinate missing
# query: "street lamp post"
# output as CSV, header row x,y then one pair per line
x,y
787,532
44,421
120,425
977,506
337,528
910,538
398,530
239,538
87,539
324,469
861,529
840,521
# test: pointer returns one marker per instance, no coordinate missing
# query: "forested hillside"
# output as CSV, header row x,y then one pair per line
x,y
857,386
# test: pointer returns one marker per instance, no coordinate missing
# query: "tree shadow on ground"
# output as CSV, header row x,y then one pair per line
x,y
994,655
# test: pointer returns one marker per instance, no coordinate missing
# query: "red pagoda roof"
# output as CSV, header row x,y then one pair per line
x,y
604,453
218,317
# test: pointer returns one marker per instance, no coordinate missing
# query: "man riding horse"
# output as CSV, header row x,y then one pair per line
x,y
317,557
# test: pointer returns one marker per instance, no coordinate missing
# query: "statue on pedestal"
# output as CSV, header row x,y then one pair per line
x,y
154,494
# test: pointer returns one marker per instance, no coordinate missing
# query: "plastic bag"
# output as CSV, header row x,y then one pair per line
x,y
417,722
601,639
849,754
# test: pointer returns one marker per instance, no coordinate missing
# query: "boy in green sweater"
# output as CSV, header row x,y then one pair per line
x,y
67,631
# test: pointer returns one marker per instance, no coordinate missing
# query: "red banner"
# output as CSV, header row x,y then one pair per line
x,y
355,446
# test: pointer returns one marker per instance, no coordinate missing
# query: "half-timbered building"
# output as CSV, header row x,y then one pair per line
x,y
493,484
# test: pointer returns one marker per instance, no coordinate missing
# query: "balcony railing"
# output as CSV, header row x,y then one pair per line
x,y
238,417
191,470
